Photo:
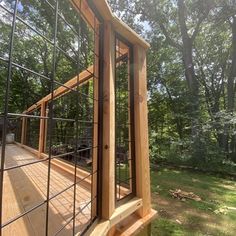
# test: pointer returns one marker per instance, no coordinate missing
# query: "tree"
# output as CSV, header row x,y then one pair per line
x,y
200,33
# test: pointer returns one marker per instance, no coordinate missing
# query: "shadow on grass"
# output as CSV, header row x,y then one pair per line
x,y
191,217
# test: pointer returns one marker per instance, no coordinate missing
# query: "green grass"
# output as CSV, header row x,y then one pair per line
x,y
214,215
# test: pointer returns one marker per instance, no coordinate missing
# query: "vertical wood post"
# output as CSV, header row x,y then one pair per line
x,y
42,129
23,130
108,166
141,130
46,128
95,120
130,161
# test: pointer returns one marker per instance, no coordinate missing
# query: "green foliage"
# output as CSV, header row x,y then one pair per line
x,y
35,52
188,126
191,120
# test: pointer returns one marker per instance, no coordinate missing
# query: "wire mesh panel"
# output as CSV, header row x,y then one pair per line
x,y
125,177
32,130
49,73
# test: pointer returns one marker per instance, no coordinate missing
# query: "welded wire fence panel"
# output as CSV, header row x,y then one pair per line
x,y
32,131
47,52
124,107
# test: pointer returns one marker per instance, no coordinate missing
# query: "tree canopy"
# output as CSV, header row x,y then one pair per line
x,y
191,77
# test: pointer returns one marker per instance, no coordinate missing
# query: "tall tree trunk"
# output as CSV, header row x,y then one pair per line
x,y
231,79
187,52
188,60
231,89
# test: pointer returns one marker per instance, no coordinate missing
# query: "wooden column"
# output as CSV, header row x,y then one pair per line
x,y
130,135
108,170
46,128
42,130
23,130
141,130
95,120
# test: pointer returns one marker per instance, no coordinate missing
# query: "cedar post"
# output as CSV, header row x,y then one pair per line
x,y
42,129
141,130
95,121
23,130
108,170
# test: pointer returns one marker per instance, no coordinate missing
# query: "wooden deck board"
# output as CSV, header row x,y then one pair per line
x,y
26,187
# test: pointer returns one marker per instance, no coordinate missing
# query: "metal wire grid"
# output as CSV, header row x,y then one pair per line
x,y
125,159
33,126
50,118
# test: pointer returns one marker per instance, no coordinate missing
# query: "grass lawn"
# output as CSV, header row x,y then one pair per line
x,y
214,215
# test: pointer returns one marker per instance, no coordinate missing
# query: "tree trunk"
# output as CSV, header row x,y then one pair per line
x,y
231,90
188,60
192,82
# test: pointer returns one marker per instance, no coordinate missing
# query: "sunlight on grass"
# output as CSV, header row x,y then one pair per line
x,y
165,227
214,215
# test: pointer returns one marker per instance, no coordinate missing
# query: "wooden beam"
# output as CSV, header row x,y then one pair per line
x,y
81,79
108,170
141,130
106,13
86,13
104,9
119,26
84,77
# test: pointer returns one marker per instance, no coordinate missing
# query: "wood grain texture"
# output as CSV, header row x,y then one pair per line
x,y
135,225
119,26
23,130
108,227
84,77
95,119
42,129
108,180
25,187
141,130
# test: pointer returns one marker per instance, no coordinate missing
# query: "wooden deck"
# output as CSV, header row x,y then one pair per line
x,y
26,187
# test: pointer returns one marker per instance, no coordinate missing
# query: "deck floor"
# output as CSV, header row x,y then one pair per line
x,y
26,187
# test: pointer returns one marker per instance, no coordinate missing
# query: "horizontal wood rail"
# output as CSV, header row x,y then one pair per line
x,y
119,26
80,79
83,78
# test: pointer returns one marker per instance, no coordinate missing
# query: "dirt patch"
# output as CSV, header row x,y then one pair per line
x,y
181,213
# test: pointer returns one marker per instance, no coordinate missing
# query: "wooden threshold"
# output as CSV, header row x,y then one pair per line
x,y
122,212
133,224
